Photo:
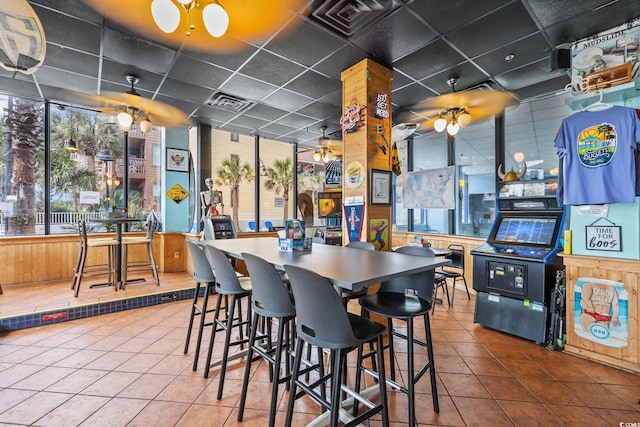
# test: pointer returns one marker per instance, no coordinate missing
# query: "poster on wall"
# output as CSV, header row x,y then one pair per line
x,y
606,59
434,188
353,212
601,311
379,233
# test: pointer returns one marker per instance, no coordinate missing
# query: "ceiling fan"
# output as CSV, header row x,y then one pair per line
x,y
204,25
328,149
455,110
130,107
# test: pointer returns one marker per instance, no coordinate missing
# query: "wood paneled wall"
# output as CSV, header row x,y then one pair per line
x,y
38,259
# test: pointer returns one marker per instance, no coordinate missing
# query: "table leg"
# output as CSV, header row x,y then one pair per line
x,y
118,256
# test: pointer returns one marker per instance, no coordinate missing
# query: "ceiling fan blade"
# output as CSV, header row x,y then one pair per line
x,y
480,104
249,21
159,113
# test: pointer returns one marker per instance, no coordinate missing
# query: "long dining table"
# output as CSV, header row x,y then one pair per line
x,y
347,268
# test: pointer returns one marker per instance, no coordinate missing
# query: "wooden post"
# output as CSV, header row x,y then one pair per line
x,y
367,86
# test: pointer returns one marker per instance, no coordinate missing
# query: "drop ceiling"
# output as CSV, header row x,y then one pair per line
x,y
285,89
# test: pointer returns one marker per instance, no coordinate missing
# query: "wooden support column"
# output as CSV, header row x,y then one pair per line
x,y
368,84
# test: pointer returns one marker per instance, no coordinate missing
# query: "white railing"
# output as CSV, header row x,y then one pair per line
x,y
59,220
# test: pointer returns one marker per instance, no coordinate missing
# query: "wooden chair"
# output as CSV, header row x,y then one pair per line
x,y
142,265
81,268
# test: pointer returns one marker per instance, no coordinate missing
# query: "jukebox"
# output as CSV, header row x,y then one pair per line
x,y
514,271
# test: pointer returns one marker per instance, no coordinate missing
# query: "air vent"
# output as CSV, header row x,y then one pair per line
x,y
346,17
229,102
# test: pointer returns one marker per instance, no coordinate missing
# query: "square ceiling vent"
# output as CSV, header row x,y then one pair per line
x,y
229,102
347,17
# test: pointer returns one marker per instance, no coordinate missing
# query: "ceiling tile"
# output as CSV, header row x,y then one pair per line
x,y
445,16
72,60
319,110
183,90
271,68
394,37
132,50
297,121
337,62
197,72
429,60
525,51
307,45
247,87
67,31
116,72
510,23
314,85
265,112
287,100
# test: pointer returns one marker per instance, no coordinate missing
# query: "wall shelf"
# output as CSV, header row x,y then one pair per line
x,y
626,95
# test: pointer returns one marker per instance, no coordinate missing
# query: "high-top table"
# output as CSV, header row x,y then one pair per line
x,y
347,268
119,222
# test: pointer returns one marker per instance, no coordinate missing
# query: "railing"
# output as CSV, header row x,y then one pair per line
x,y
59,220
136,167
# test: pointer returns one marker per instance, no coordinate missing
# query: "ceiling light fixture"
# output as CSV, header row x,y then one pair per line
x,y
326,154
127,117
167,17
452,120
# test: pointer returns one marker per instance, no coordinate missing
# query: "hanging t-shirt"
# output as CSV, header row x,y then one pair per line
x,y
598,150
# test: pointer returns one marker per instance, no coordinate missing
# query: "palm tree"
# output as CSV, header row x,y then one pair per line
x,y
24,133
233,173
280,179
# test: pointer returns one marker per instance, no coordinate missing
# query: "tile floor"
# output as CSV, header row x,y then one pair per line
x,y
128,369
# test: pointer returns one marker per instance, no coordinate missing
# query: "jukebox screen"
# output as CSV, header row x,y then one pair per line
x,y
531,230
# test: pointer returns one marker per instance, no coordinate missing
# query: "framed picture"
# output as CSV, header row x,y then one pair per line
x,y
380,187
177,160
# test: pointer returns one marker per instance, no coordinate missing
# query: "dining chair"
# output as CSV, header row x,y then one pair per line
x,y
405,298
81,268
268,225
252,226
147,264
269,300
454,271
228,284
339,333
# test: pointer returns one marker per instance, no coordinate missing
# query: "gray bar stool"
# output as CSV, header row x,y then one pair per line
x,y
228,284
270,300
404,298
322,321
203,275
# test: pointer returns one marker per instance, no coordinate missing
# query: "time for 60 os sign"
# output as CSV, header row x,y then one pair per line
x,y
603,238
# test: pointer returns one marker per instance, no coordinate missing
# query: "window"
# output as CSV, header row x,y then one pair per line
x,y
233,136
86,168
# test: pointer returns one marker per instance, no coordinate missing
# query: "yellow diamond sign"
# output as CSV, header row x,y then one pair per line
x,y
177,193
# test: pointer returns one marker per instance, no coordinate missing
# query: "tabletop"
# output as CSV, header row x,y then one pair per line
x,y
348,268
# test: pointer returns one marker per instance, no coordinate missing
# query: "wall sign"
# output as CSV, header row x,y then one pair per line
x,y
604,238
601,311
381,106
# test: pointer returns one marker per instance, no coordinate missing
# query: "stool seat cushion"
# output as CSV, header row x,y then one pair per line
x,y
396,305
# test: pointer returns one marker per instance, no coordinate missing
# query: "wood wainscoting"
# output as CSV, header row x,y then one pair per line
x,y
41,259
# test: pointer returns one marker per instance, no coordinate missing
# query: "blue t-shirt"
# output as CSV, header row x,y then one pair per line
x,y
598,150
